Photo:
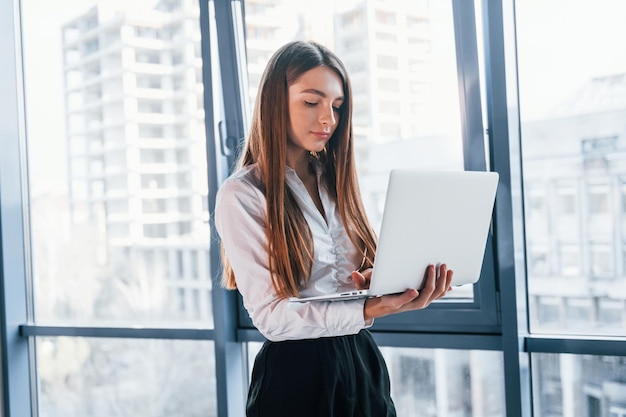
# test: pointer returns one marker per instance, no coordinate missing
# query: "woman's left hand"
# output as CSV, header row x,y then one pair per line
x,y
362,278
437,285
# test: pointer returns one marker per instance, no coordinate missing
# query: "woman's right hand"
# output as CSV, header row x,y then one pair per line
x,y
411,299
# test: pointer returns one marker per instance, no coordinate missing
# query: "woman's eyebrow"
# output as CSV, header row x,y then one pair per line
x,y
318,92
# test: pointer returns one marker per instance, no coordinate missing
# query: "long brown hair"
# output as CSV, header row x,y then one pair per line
x,y
290,243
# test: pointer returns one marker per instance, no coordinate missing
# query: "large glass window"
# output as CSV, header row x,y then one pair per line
x,y
573,107
118,218
111,183
85,377
115,227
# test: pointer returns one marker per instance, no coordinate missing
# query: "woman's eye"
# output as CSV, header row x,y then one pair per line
x,y
337,109
310,104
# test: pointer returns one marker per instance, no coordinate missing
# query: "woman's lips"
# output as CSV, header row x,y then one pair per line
x,y
321,135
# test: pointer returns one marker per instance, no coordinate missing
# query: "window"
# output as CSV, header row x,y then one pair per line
x,y
147,57
148,81
564,132
570,258
384,17
151,231
387,62
152,156
602,262
150,131
388,85
146,106
588,379
99,223
153,181
599,199
389,107
386,37
77,206
151,206
567,201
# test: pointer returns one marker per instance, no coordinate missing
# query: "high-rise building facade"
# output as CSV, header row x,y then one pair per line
x,y
575,186
386,47
575,214
136,146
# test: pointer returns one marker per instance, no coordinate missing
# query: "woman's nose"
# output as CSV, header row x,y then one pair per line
x,y
328,116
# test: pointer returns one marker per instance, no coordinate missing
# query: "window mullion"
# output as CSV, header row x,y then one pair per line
x,y
505,160
17,393
224,121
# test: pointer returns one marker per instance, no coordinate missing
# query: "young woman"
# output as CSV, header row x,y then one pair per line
x,y
292,222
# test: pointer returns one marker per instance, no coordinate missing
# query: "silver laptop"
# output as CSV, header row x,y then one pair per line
x,y
429,217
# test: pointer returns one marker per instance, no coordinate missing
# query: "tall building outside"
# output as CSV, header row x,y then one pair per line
x,y
575,198
136,147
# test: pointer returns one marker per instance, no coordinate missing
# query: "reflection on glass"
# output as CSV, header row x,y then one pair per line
x,y
116,149
82,377
401,60
579,385
440,382
573,107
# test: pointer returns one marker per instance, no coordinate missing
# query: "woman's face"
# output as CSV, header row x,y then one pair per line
x,y
314,102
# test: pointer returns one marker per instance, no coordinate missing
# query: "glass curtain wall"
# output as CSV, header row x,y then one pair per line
x,y
118,218
572,90
116,229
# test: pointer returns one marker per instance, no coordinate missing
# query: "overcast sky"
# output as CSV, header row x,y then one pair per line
x,y
563,44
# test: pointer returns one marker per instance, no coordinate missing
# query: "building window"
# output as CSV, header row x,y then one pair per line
x,y
599,145
566,201
387,62
184,228
153,181
598,199
548,311
389,107
150,131
155,230
386,37
353,19
420,23
154,206
390,129
538,264
578,313
388,85
180,264
570,260
116,207
385,18
195,271
148,106
151,156
150,82
602,261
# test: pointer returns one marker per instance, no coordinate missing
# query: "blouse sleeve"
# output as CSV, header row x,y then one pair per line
x,y
240,221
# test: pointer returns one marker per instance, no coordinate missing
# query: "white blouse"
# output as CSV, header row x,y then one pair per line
x,y
240,219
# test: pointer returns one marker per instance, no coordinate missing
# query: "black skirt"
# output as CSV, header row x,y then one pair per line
x,y
342,376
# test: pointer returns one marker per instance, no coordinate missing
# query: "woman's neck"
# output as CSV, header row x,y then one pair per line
x,y
301,163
